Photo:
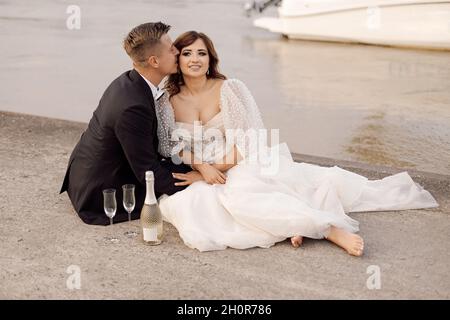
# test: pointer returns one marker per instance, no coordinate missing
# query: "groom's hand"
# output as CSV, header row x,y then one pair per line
x,y
187,178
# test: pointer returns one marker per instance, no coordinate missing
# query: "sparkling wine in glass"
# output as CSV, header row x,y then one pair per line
x,y
110,207
129,202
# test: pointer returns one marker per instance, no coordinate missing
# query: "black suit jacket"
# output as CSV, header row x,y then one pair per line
x,y
118,146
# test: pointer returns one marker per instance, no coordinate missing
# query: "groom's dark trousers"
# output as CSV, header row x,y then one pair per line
x,y
119,145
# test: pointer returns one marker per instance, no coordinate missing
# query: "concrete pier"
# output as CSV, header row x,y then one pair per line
x,y
43,242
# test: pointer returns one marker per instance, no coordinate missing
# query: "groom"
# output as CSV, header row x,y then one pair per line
x,y
121,140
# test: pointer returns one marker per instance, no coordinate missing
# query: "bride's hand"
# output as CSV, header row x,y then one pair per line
x,y
211,174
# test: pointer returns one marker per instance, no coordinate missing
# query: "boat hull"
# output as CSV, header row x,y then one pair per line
x,y
424,25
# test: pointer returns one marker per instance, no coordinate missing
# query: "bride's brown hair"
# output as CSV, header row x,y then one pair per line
x,y
175,81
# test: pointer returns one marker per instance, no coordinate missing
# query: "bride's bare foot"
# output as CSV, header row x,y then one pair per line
x,y
296,241
351,242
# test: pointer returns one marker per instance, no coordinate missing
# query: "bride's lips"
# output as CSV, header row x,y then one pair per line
x,y
195,67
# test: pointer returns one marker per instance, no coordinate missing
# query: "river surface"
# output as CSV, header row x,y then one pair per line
x,y
378,105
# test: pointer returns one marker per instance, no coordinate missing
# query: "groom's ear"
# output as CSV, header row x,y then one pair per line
x,y
153,61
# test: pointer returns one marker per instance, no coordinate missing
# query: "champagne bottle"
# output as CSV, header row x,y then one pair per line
x,y
151,218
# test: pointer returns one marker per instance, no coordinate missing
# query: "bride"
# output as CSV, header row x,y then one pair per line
x,y
254,197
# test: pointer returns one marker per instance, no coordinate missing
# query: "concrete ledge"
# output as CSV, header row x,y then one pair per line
x,y
42,237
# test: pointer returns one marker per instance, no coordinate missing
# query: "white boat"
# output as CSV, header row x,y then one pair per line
x,y
406,23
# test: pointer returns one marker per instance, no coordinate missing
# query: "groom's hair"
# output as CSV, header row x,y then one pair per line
x,y
143,40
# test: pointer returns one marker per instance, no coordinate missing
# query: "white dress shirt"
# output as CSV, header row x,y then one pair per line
x,y
156,91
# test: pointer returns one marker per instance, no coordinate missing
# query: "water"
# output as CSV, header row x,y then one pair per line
x,y
372,104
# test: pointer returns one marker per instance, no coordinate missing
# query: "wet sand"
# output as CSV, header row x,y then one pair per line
x,y
377,105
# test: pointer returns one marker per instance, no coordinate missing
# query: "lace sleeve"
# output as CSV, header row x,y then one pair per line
x,y
242,118
166,125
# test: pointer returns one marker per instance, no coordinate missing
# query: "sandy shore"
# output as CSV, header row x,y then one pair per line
x,y
42,237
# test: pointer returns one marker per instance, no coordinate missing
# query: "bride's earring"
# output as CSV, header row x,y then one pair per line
x,y
207,72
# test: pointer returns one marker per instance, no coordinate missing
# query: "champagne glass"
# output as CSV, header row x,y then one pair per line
x,y
129,201
110,206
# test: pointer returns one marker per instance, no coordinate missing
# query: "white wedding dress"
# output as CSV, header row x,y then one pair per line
x,y
258,207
